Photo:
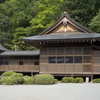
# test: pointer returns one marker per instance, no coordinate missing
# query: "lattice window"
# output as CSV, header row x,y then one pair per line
x,y
69,51
60,51
52,59
69,59
52,51
77,59
60,59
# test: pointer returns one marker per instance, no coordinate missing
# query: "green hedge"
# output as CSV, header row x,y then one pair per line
x,y
29,80
96,80
16,75
44,79
18,80
9,81
8,73
68,79
1,81
56,81
78,80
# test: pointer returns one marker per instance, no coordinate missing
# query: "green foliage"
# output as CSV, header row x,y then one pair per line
x,y
28,80
96,80
9,81
1,81
8,73
23,18
78,80
80,10
44,79
56,81
68,79
18,80
95,23
16,75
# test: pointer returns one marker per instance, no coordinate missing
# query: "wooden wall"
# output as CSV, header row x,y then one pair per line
x,y
19,63
81,60
96,61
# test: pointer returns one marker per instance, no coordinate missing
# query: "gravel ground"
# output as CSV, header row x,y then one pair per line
x,y
62,91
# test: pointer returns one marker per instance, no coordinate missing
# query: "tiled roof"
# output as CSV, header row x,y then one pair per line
x,y
19,53
65,37
3,48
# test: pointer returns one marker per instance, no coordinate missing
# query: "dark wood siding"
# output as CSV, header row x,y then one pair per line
x,y
66,60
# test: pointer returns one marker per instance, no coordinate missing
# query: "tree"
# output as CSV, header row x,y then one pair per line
x,y
80,10
4,26
95,23
21,33
48,13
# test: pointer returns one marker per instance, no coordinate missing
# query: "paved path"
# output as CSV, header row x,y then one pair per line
x,y
60,91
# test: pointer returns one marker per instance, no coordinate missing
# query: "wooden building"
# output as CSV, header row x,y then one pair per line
x,y
66,48
19,61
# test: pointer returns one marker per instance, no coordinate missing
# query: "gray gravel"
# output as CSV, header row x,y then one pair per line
x,y
62,91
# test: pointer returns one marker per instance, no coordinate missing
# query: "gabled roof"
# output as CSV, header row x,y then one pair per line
x,y
64,29
3,48
69,20
20,53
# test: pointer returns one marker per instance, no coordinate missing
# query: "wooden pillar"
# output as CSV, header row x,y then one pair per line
x,y
31,73
91,78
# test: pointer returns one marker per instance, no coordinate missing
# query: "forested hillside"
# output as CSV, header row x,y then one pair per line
x,y
23,18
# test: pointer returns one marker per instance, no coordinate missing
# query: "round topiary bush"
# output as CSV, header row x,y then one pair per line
x,y
16,75
8,73
9,81
18,80
56,81
96,80
1,81
29,80
68,79
44,79
78,80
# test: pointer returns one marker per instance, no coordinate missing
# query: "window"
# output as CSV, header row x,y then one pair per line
x,y
1,62
31,57
36,57
25,57
52,59
60,59
78,59
20,57
69,59
86,51
16,58
20,62
6,63
52,51
69,51
11,58
36,62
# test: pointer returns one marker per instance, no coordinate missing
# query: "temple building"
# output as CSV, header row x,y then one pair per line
x,y
66,48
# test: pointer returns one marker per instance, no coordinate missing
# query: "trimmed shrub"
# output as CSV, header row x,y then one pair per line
x,y
44,79
1,81
8,73
56,81
16,75
29,80
9,81
78,80
96,80
18,80
68,79
25,77
35,76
